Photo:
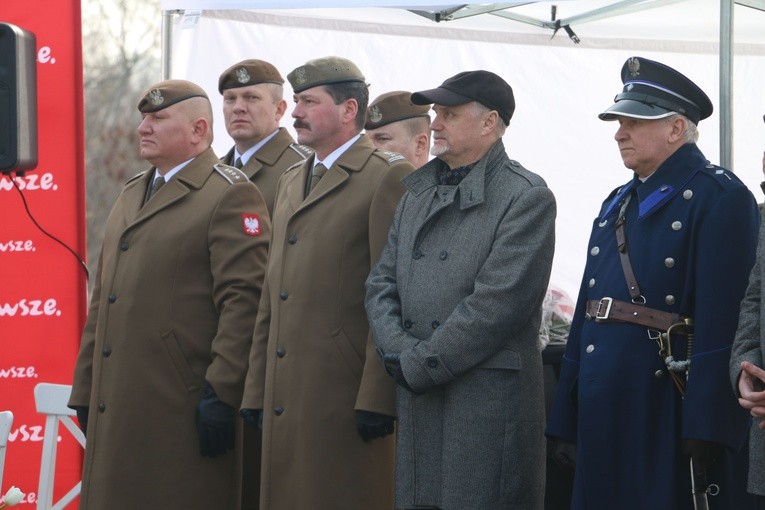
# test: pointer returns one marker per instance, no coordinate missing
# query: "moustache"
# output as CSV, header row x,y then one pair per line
x,y
300,125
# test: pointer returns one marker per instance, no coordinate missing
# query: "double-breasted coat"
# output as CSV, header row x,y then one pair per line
x,y
312,362
749,345
267,165
458,293
173,309
691,231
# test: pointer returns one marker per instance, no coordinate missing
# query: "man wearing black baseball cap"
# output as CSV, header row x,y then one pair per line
x,y
644,391
455,305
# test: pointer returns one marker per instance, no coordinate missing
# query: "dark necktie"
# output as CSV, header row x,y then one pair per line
x,y
453,176
158,183
238,163
318,172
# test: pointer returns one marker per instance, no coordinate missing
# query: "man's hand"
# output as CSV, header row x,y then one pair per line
x,y
392,362
373,425
750,386
252,417
703,453
215,424
563,452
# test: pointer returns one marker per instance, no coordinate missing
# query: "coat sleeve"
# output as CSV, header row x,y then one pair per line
x,y
511,282
723,258
377,390
237,264
747,346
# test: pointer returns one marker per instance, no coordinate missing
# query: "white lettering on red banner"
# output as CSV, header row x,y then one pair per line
x,y
30,308
30,181
18,373
13,245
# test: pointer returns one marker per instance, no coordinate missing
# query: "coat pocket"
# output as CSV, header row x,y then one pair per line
x,y
505,359
179,362
351,357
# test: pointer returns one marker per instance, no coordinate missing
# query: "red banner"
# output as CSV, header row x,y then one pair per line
x,y
43,289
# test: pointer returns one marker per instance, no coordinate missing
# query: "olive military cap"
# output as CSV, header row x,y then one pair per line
x,y
324,71
167,93
249,72
392,107
653,90
483,86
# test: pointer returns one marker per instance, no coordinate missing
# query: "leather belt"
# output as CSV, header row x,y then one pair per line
x,y
613,310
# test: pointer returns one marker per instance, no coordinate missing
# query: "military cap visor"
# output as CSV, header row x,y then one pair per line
x,y
636,110
167,93
249,72
324,71
393,107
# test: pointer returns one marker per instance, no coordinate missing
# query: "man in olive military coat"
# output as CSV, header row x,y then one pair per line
x,y
325,401
163,357
396,124
644,392
253,105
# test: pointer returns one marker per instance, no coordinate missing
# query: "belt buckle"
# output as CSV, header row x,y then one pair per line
x,y
600,314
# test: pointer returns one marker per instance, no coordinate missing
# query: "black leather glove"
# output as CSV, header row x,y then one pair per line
x,y
563,452
373,425
703,453
82,417
392,362
215,424
252,417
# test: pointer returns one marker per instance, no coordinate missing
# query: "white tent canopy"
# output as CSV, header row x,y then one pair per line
x,y
560,86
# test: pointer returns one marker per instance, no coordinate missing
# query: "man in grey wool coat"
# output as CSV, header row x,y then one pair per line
x,y
454,305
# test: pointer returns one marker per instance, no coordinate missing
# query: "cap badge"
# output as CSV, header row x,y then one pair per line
x,y
300,76
634,66
155,96
242,76
374,114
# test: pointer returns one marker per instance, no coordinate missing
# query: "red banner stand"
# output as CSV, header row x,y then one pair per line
x,y
43,288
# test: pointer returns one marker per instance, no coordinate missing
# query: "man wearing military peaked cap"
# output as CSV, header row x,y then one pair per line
x,y
167,93
644,392
184,254
333,400
484,87
396,124
653,90
253,106
470,247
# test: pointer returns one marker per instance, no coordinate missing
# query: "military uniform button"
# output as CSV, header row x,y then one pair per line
x,y
283,295
590,348
101,407
417,255
124,245
432,363
591,282
107,352
670,299
278,410
280,352
407,324
594,251
435,324
676,225
292,239
112,298
658,374
669,262
443,255
687,194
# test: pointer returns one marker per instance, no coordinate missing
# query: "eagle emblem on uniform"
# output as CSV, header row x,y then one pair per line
x,y
155,96
375,115
633,64
300,76
251,224
242,76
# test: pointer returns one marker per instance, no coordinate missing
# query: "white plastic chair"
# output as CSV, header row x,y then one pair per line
x,y
51,400
6,420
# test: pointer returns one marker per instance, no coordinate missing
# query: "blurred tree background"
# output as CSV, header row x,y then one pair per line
x,y
121,45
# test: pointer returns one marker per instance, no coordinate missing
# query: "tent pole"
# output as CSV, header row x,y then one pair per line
x,y
167,42
726,78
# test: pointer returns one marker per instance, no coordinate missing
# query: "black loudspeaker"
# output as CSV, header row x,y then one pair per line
x,y
18,99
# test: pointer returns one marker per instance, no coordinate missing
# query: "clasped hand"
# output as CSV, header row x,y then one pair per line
x,y
750,386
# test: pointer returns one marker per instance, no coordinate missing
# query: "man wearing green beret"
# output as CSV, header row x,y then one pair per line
x,y
253,105
163,355
326,403
396,124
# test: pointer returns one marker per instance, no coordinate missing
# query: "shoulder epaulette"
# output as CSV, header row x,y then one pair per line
x,y
390,157
232,174
303,150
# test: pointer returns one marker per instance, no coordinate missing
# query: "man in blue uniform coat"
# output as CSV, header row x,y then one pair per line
x,y
644,382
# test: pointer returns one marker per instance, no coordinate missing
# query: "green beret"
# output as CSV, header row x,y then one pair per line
x,y
249,72
324,71
392,107
166,93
